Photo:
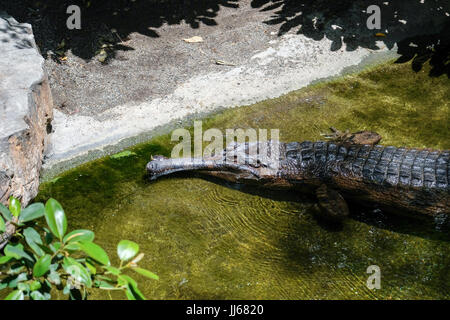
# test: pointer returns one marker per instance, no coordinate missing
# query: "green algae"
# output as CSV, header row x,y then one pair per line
x,y
214,241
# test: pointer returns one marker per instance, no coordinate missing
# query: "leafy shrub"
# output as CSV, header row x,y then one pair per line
x,y
44,259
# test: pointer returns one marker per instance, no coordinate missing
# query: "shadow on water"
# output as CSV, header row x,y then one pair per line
x,y
313,246
421,29
404,263
426,227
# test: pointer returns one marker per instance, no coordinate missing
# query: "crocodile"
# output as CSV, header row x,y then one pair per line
x,y
354,168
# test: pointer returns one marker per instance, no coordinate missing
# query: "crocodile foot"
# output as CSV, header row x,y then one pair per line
x,y
360,137
332,205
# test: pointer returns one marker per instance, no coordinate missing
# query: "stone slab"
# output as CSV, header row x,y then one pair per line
x,y
26,110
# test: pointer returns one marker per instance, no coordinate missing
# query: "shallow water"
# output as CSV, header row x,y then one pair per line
x,y
208,240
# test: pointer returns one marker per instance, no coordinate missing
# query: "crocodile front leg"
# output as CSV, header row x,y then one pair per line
x,y
332,205
347,138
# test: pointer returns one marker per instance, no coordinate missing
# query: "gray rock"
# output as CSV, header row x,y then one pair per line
x,y
25,110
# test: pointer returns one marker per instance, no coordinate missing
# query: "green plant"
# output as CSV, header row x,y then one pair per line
x,y
44,259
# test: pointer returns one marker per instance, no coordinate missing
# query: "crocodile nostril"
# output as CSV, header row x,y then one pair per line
x,y
152,166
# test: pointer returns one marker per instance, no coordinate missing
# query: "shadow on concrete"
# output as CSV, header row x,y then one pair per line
x,y
11,31
105,25
421,29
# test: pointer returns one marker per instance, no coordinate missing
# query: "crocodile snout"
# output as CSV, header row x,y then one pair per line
x,y
157,166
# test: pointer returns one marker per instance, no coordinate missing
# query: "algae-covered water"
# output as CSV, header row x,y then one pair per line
x,y
209,240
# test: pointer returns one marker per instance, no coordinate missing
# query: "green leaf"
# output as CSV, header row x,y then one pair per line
x,y
79,235
2,225
132,289
113,270
104,285
23,286
33,239
95,252
66,289
46,249
129,294
48,283
52,248
15,295
16,269
104,278
122,281
77,271
48,236
127,249
5,259
14,206
15,282
137,293
17,252
54,266
34,211
35,285
74,246
42,265
36,295
55,217
56,246
5,212
91,267
146,273
54,278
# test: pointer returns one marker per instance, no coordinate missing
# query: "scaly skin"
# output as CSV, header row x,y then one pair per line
x,y
412,180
